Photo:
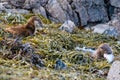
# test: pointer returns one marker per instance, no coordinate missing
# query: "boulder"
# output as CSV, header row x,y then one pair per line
x,y
114,72
112,28
115,3
90,11
40,11
68,26
56,12
101,28
60,11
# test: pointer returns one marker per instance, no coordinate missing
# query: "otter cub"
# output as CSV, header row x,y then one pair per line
x,y
25,30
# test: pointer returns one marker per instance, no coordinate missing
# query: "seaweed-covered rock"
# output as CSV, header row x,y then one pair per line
x,y
114,72
68,26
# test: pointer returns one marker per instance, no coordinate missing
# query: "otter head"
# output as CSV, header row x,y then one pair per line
x,y
35,22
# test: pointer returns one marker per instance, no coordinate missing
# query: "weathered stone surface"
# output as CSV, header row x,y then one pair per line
x,y
56,13
114,72
2,8
106,29
40,10
60,11
115,3
17,3
116,22
100,28
90,11
30,4
43,2
68,26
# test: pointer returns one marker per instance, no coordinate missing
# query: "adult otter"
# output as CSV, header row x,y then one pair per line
x,y
25,30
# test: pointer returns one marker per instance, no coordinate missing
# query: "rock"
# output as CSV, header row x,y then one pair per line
x,y
83,15
56,13
6,5
35,6
2,8
60,65
43,2
60,11
20,11
111,32
107,29
68,26
101,28
30,4
90,11
116,22
40,10
114,72
97,13
17,3
115,3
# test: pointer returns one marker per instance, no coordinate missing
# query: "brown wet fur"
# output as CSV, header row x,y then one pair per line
x,y
24,30
103,48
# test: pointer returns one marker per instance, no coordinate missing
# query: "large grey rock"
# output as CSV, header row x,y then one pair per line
x,y
100,28
114,72
82,15
106,29
90,11
115,3
55,10
60,11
